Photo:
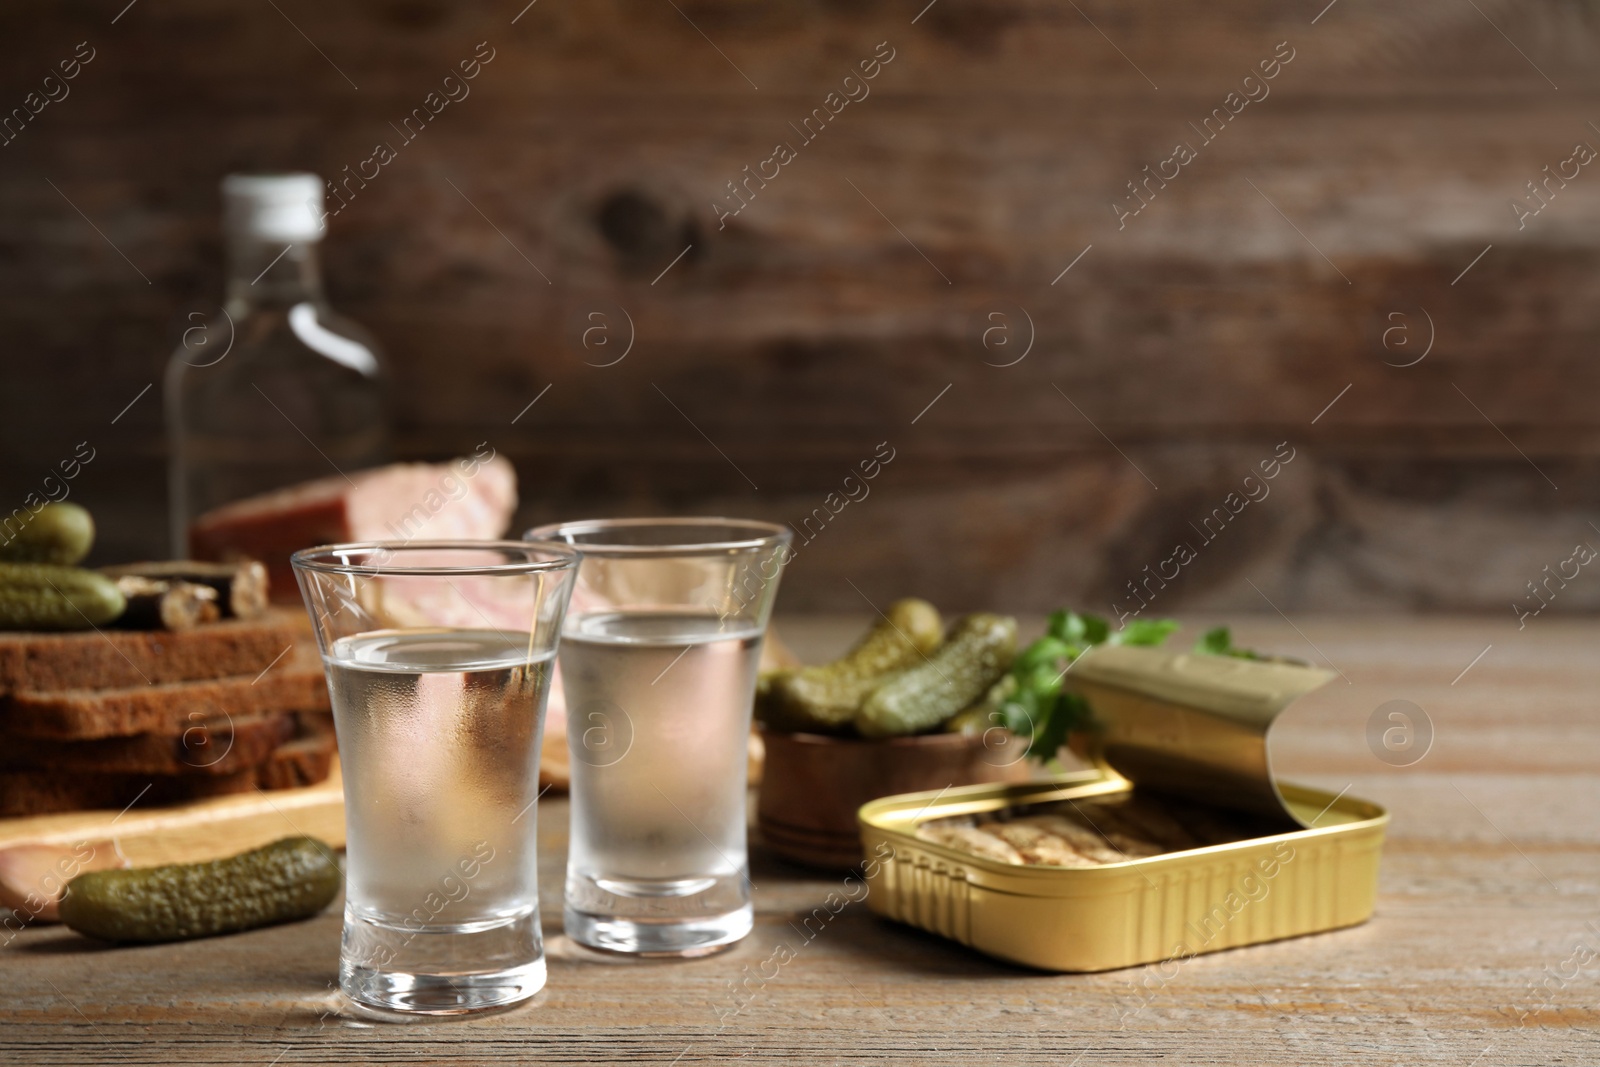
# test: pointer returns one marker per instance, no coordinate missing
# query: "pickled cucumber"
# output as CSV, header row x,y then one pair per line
x,y
764,680
293,878
827,697
985,714
57,533
43,596
977,652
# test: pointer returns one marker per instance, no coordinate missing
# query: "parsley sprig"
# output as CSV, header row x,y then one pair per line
x,y
1039,710
1219,642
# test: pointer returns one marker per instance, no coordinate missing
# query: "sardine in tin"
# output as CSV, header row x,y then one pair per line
x,y
1185,727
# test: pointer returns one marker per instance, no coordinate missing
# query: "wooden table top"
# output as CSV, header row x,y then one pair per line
x,y
1485,949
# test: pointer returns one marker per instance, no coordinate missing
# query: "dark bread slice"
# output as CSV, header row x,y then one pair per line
x,y
222,745
303,761
295,683
107,659
315,722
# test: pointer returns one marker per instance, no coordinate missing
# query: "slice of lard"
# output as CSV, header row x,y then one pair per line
x,y
471,498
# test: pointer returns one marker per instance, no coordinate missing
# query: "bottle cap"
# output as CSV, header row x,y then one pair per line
x,y
274,207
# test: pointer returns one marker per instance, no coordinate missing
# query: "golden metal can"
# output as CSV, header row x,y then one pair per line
x,y
1186,727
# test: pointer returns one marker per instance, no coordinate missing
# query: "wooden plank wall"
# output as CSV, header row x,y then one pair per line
x,y
855,288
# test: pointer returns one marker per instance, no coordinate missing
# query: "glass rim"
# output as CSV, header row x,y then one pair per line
x,y
769,533
315,559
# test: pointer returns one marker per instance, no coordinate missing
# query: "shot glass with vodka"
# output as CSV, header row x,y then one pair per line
x,y
658,665
438,657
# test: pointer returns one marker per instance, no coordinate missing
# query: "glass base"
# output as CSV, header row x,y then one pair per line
x,y
699,937
442,969
657,916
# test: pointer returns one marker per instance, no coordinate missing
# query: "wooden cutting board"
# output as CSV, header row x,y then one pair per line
x,y
40,853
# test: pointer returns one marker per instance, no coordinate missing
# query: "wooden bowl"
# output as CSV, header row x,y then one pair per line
x,y
813,784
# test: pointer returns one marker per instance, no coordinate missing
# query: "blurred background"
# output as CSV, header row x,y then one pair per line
x,y
1070,373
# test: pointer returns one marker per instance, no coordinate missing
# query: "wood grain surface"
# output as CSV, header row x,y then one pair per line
x,y
1309,252
1488,888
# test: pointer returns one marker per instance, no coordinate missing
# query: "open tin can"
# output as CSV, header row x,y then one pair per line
x,y
1182,731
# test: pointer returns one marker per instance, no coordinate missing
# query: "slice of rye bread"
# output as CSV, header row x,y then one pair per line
x,y
306,760
223,745
295,683
301,762
106,659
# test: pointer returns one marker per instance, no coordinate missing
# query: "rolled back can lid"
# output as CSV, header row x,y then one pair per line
x,y
1190,724
274,207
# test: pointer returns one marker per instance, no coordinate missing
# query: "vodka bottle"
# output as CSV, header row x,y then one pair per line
x,y
273,387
